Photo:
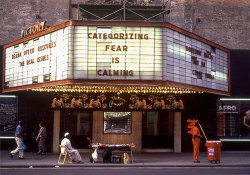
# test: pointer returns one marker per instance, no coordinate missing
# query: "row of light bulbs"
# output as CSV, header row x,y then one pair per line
x,y
115,89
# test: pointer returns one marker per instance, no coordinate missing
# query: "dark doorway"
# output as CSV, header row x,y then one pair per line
x,y
79,125
157,129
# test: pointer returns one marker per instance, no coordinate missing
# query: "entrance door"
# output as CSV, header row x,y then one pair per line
x,y
79,125
157,130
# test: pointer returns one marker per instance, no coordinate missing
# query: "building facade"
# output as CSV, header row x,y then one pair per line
x,y
116,82
156,57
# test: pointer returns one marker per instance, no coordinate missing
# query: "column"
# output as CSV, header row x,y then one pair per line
x,y
56,131
177,131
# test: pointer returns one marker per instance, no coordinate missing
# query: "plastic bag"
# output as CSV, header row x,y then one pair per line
x,y
95,155
23,146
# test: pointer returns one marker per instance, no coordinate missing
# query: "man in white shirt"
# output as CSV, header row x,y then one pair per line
x,y
74,153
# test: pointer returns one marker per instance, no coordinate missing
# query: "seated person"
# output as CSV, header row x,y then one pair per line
x,y
74,153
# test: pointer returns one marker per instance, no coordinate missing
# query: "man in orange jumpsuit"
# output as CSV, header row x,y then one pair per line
x,y
196,141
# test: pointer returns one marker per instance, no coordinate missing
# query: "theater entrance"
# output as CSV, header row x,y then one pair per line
x,y
79,125
158,131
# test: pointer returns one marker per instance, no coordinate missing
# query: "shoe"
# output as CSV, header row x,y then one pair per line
x,y
38,153
43,153
11,155
20,158
197,161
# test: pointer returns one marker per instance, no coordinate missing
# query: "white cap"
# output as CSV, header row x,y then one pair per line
x,y
66,134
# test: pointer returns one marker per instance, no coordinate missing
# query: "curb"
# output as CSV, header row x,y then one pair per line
x,y
122,166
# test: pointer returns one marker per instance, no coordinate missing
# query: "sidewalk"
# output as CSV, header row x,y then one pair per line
x,y
228,159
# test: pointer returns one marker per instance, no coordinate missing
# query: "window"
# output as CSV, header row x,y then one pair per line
x,y
233,118
117,122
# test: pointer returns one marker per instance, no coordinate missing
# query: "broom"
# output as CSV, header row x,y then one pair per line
x,y
203,132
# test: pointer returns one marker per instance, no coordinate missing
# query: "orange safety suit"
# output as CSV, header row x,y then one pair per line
x,y
196,142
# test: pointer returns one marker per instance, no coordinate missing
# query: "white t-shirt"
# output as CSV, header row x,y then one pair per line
x,y
67,143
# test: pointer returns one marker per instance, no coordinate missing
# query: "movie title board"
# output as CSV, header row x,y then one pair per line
x,y
117,53
38,60
193,62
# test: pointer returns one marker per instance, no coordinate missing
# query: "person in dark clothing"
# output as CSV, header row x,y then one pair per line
x,y
42,138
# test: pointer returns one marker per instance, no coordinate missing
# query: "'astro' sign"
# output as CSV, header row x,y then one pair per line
x,y
227,107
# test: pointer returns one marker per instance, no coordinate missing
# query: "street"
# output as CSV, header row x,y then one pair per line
x,y
126,171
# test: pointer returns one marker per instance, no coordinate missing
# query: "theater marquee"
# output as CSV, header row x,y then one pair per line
x,y
116,52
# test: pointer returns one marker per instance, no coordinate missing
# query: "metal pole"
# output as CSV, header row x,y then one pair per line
x,y
110,14
124,10
155,15
77,11
170,12
137,14
90,13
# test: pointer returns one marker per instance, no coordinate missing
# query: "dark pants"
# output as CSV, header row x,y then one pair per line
x,y
41,145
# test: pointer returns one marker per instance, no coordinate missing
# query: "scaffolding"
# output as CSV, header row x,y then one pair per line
x,y
124,10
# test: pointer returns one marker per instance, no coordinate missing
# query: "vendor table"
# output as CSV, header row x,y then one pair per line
x,y
115,147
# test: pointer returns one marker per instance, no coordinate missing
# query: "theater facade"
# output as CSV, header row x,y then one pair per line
x,y
115,82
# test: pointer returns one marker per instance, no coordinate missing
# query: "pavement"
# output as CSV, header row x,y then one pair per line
x,y
227,159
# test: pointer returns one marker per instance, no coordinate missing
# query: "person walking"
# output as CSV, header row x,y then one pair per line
x,y
196,142
74,153
42,138
19,139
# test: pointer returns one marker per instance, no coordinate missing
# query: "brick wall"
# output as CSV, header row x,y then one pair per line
x,y
16,15
226,22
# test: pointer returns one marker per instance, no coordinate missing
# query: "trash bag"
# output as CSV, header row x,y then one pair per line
x,y
95,155
23,146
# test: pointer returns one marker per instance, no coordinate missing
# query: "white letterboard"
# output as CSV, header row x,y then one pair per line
x,y
117,53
